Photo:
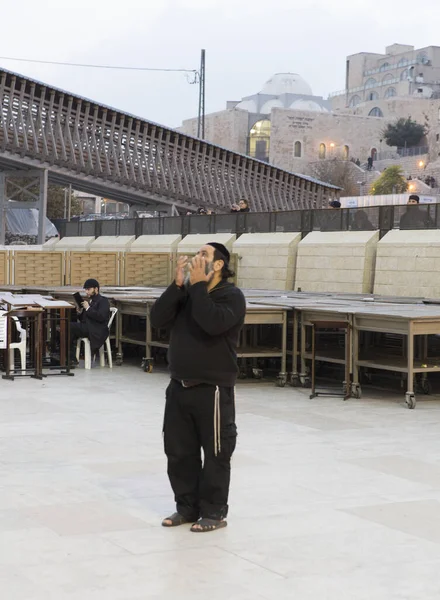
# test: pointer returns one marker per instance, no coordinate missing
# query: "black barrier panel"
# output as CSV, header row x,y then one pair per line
x,y
256,222
172,225
363,218
288,221
200,224
72,229
226,223
127,227
151,226
414,216
109,227
329,219
87,228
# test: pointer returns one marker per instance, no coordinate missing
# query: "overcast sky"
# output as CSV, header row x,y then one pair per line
x,y
246,42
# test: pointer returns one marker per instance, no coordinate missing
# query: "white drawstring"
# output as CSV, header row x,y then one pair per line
x,y
217,440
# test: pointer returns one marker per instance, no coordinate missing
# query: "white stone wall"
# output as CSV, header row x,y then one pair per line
x,y
360,134
337,261
408,264
156,243
112,243
192,243
267,261
227,128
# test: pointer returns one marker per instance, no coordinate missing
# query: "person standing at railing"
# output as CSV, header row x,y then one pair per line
x,y
242,206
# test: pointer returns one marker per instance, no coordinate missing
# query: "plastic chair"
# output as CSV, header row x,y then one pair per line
x,y
106,346
20,346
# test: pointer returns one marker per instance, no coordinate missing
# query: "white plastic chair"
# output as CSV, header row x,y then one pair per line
x,y
20,346
106,346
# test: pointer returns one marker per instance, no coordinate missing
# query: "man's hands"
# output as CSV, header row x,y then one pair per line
x,y
180,270
85,305
197,268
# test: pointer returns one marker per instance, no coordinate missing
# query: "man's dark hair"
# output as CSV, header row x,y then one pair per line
x,y
245,201
414,197
227,272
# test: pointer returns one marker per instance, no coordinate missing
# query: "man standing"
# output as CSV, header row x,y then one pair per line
x,y
93,317
205,314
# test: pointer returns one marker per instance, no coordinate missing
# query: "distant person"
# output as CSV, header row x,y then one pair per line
x,y
242,206
414,217
361,222
332,219
369,163
358,162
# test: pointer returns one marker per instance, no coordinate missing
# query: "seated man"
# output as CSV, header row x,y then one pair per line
x,y
93,320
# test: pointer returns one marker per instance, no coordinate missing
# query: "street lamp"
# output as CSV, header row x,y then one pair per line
x,y
421,164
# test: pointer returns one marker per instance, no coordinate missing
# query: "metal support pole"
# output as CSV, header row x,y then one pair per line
x,y
2,208
201,119
42,207
70,203
65,203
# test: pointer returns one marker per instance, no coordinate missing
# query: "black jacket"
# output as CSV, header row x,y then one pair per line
x,y
97,318
204,331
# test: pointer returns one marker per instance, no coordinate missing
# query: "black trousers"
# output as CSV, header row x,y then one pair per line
x,y
196,418
77,330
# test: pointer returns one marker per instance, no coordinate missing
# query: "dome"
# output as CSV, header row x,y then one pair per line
x,y
249,105
286,83
307,105
267,106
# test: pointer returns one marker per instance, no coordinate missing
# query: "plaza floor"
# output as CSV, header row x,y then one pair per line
x,y
329,500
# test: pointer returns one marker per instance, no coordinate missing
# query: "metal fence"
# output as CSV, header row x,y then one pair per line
x,y
383,218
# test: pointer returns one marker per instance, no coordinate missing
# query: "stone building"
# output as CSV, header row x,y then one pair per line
x,y
286,125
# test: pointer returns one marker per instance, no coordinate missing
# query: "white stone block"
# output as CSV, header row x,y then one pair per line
x,y
156,243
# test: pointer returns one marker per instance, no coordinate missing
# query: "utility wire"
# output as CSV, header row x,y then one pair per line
x,y
67,64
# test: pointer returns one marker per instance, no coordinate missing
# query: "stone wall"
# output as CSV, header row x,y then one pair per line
x,y
267,261
408,264
337,261
228,128
360,134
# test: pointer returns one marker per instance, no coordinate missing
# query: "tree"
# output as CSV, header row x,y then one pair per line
x,y
392,181
336,172
55,203
404,132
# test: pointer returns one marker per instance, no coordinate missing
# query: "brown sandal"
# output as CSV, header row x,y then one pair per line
x,y
207,525
176,520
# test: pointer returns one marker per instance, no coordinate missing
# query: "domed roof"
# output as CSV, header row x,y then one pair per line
x,y
286,83
267,106
249,105
307,105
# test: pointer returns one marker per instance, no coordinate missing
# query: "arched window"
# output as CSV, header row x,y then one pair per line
x,y
388,77
403,62
390,92
354,101
372,96
384,67
346,152
370,83
404,75
259,140
374,153
297,150
375,112
322,151
422,57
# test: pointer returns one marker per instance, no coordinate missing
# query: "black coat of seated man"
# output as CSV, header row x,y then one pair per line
x,y
93,318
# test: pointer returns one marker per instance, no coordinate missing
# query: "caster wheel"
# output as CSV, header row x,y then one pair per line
x,y
281,380
410,400
356,391
294,381
147,365
305,381
118,360
257,373
242,375
426,387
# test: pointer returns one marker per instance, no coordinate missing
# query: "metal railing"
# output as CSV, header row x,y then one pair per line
x,y
383,218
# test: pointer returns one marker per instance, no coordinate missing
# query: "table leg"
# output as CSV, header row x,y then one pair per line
x,y
410,398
